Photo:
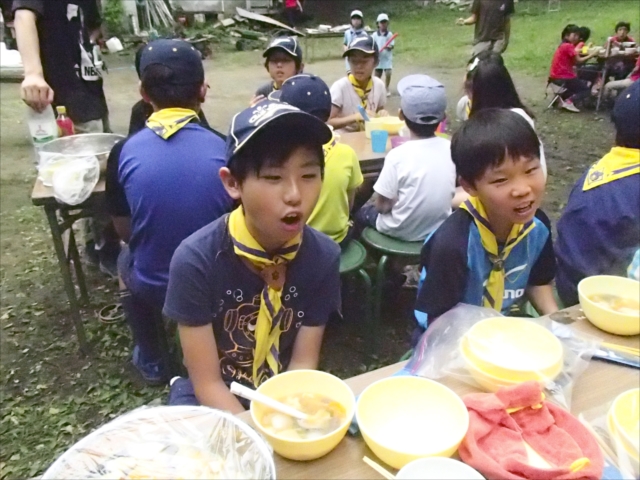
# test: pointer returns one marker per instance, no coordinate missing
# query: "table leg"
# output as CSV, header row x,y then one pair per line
x,y
601,92
379,290
75,257
56,234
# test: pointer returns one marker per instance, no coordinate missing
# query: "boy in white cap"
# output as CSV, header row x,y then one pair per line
x,y
356,29
381,37
415,189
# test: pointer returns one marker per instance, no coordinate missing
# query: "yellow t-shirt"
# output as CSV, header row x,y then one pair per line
x,y
341,173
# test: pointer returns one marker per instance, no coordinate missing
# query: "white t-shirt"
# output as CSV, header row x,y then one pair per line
x,y
344,96
422,177
543,160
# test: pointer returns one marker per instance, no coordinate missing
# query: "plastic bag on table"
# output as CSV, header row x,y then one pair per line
x,y
616,426
503,352
168,442
74,179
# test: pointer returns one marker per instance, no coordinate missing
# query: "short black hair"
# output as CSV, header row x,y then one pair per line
x,y
571,28
420,130
585,33
297,60
487,138
156,83
627,25
267,149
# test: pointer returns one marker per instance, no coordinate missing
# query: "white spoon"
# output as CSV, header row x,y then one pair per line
x,y
255,396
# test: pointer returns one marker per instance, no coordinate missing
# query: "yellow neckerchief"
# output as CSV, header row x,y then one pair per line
x,y
494,289
328,147
272,269
620,162
275,87
362,93
168,121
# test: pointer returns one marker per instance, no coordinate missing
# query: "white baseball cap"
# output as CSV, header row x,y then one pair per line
x,y
383,17
356,13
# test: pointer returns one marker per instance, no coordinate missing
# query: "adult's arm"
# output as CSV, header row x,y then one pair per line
x,y
35,91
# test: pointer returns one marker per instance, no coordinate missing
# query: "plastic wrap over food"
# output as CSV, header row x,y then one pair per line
x,y
169,443
73,180
616,425
484,348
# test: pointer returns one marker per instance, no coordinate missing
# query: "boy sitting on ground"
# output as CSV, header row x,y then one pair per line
x,y
417,184
358,88
495,250
283,59
162,185
252,291
342,175
599,230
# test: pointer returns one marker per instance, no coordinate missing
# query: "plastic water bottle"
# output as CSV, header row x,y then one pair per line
x,y
42,127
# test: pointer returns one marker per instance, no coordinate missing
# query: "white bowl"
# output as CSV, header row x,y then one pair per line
x,y
438,468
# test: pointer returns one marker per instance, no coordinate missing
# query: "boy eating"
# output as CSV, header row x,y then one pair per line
x,y
495,250
283,59
358,88
252,291
418,180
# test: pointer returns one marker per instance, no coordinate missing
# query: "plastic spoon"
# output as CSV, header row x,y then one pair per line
x,y
255,396
364,113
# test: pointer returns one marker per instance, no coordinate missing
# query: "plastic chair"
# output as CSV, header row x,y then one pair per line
x,y
556,90
352,260
387,246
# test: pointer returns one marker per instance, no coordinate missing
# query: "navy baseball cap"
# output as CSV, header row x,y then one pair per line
x,y
626,112
364,43
276,115
306,92
287,44
422,99
184,60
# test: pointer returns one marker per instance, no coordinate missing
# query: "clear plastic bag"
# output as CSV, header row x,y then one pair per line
x,y
616,426
72,179
502,351
169,442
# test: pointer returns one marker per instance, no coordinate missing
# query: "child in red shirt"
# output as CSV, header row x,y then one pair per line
x,y
622,34
562,69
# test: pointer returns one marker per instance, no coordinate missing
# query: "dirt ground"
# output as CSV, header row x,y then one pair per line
x,y
38,355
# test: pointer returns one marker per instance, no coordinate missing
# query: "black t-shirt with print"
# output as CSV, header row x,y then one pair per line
x,y
63,26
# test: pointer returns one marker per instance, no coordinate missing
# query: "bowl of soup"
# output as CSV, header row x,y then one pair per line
x,y
624,420
611,303
328,401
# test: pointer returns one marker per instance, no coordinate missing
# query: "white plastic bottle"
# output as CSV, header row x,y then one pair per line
x,y
42,126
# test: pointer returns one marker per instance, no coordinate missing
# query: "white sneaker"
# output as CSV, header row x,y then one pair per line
x,y
569,106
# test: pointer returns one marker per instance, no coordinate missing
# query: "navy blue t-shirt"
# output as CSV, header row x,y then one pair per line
x,y
598,233
210,284
170,189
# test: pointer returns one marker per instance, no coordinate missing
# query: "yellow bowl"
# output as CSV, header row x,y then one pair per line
x,y
305,381
605,318
513,349
392,125
625,414
376,123
406,418
628,459
485,379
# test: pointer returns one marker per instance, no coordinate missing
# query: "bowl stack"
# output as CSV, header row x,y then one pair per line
x,y
503,351
623,421
611,321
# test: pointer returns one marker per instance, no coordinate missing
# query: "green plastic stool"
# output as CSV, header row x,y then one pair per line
x,y
387,246
352,259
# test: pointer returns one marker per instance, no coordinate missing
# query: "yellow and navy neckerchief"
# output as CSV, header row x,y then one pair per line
x,y
327,147
272,268
620,162
493,293
168,121
362,93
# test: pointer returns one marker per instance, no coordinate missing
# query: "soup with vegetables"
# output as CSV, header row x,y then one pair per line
x,y
616,303
325,416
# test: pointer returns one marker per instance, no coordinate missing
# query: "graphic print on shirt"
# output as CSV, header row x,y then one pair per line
x,y
236,351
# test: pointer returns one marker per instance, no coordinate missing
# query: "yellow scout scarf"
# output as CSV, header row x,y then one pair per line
x,y
494,290
618,163
328,147
168,121
272,269
362,93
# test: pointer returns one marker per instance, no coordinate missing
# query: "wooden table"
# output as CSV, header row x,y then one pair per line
x,y
370,161
61,218
599,384
607,60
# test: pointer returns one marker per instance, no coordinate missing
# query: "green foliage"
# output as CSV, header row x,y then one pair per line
x,y
114,17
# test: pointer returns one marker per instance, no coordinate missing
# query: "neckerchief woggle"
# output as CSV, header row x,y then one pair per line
x,y
272,269
493,293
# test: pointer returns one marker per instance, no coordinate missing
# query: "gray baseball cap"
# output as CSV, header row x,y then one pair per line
x,y
423,99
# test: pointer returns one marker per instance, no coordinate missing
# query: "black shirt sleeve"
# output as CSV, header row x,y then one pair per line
x,y
36,6
544,270
509,8
117,204
444,257
140,113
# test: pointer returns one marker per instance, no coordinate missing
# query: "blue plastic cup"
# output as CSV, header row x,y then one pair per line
x,y
379,140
